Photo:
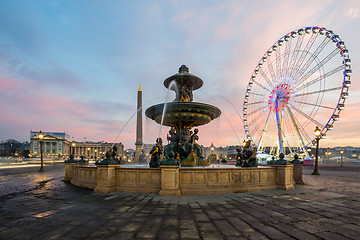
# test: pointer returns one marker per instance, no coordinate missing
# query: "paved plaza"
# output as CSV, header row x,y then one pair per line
x,y
41,206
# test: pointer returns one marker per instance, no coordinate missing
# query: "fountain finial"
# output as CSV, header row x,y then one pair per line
x,y
183,69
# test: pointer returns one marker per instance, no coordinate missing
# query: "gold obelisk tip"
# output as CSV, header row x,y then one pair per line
x,y
139,88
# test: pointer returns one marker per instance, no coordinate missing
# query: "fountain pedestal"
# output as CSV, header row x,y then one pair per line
x,y
298,173
284,176
105,178
170,180
69,171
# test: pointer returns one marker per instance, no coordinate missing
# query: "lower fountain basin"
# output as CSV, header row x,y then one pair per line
x,y
187,114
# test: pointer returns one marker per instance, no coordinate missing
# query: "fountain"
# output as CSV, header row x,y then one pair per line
x,y
182,115
164,176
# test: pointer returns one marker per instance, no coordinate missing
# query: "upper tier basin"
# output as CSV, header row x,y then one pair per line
x,y
187,114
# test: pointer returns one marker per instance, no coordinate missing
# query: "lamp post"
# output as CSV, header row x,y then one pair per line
x,y
95,154
328,153
73,144
341,155
318,136
88,153
41,136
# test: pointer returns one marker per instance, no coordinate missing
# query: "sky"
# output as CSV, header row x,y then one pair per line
x,y
75,66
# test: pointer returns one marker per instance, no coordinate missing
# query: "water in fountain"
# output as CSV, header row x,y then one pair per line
x,y
237,112
228,101
132,116
172,86
122,129
232,127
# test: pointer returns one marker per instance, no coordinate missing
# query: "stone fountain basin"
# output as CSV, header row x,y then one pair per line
x,y
186,180
188,114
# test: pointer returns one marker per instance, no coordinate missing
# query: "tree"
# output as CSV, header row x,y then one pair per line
x,y
11,146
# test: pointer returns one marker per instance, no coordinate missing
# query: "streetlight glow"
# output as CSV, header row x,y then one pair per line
x,y
73,146
41,135
317,132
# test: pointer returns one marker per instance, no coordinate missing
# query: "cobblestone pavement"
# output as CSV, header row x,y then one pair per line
x,y
40,206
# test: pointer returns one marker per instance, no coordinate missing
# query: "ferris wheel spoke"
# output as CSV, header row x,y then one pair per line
x,y
307,116
266,78
256,119
257,94
295,125
328,74
287,142
254,103
303,54
286,59
256,110
312,58
278,65
295,54
264,129
271,70
318,66
263,87
312,104
302,133
297,49
316,92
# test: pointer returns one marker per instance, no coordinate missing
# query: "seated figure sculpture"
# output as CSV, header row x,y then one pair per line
x,y
247,156
196,147
173,142
156,153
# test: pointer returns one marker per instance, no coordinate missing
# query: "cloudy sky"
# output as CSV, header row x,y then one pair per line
x,y
76,66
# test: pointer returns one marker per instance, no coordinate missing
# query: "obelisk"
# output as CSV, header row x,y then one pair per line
x,y
139,136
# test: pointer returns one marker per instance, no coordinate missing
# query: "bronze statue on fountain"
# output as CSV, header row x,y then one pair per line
x,y
156,154
182,115
246,155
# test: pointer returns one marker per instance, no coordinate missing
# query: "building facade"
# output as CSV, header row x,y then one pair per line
x,y
58,144
54,144
220,152
95,150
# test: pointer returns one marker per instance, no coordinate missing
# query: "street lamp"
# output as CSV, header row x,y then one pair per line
x,y
88,153
41,136
73,147
318,136
95,154
328,153
341,155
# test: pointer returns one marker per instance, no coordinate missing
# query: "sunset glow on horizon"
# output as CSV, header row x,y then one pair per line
x,y
76,66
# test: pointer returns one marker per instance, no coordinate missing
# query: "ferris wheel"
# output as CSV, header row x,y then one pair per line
x,y
299,84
